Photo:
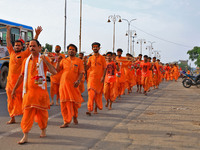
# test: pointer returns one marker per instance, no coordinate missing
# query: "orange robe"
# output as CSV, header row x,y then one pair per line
x,y
55,79
167,73
70,97
145,75
110,82
156,74
138,73
128,75
121,79
15,65
97,66
35,100
175,72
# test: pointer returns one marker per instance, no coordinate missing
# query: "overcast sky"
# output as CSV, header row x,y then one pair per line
x,y
172,20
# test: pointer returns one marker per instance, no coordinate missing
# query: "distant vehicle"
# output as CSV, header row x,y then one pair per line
x,y
191,81
18,31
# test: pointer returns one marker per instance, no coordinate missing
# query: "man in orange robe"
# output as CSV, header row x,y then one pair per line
x,y
121,79
175,72
55,79
128,67
139,73
110,80
145,67
81,85
16,58
97,66
70,96
150,75
35,94
167,72
155,70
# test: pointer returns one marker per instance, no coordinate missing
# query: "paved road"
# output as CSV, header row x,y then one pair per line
x,y
168,118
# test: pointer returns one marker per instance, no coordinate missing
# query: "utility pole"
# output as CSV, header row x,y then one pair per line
x,y
80,26
65,26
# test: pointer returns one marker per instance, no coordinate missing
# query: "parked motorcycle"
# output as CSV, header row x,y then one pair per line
x,y
191,81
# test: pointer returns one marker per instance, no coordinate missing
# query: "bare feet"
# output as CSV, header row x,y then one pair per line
x,y
57,104
88,113
75,120
43,133
24,139
11,121
95,110
107,102
65,125
110,106
52,103
145,93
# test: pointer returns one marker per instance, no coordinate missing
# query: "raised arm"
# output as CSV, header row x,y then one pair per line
x,y
38,30
50,67
8,38
58,64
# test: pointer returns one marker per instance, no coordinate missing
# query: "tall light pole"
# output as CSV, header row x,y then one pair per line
x,y
133,35
150,48
141,41
114,18
129,24
65,26
80,26
157,54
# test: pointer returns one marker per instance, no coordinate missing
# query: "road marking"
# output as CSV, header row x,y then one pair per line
x,y
2,93
19,129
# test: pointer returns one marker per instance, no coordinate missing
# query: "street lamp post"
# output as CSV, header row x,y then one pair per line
x,y
128,33
141,41
157,54
114,18
150,47
133,35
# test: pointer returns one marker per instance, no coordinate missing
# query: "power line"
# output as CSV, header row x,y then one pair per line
x,y
161,38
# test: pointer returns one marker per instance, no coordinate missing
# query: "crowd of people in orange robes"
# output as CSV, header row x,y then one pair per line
x,y
109,75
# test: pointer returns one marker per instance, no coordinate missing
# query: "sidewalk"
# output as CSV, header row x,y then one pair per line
x,y
167,120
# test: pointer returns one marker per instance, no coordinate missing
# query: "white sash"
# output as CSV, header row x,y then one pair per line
x,y
40,73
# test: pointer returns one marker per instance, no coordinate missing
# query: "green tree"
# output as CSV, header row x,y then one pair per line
x,y
194,55
184,66
48,47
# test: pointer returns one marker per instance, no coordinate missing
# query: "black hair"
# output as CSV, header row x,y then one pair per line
x,y
96,43
140,55
76,49
149,57
38,43
81,53
145,56
109,53
114,54
119,50
18,41
154,57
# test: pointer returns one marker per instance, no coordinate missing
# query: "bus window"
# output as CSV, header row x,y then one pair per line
x,y
3,35
30,35
23,35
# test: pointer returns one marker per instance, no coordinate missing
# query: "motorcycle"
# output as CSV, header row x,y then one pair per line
x,y
191,81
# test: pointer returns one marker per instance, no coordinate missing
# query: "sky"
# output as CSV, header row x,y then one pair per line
x,y
172,24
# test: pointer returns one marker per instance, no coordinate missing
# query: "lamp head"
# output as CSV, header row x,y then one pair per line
x,y
108,20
